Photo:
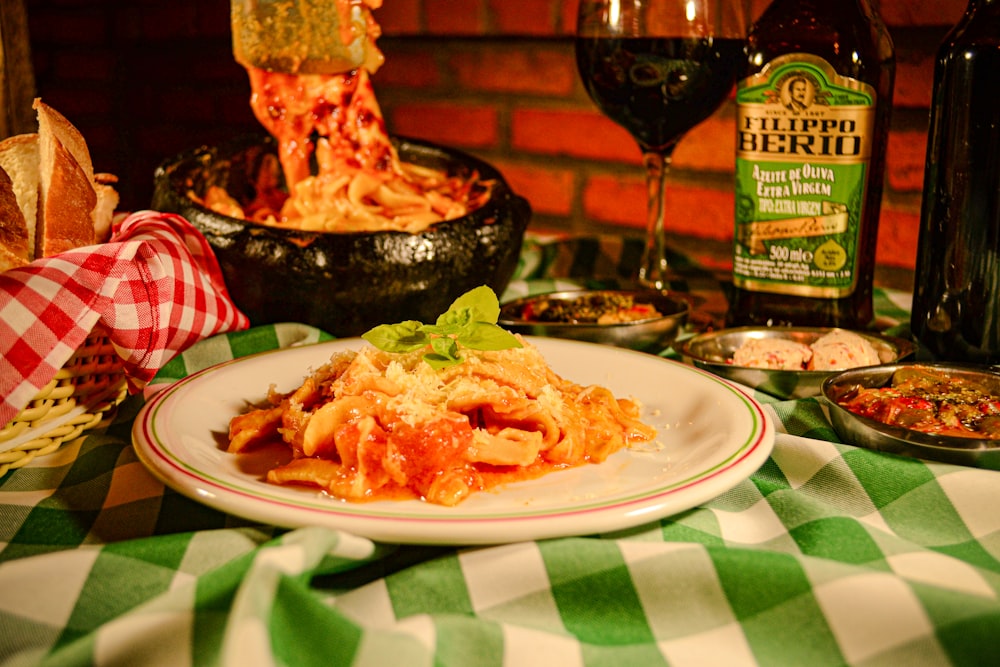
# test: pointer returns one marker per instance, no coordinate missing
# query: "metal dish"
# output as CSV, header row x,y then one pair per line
x,y
648,335
713,351
871,434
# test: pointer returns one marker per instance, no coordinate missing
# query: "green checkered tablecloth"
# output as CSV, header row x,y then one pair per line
x,y
827,555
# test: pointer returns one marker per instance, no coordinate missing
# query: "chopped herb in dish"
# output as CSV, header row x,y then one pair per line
x,y
597,308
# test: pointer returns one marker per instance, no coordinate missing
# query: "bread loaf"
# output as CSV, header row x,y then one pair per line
x,y
13,230
52,201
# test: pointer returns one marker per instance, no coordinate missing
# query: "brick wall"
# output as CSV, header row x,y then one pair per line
x,y
148,78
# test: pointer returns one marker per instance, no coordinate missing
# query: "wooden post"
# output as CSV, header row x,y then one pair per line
x,y
17,77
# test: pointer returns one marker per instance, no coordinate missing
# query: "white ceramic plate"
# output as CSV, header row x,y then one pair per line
x,y
712,436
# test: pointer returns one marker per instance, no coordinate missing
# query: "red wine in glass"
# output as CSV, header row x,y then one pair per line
x,y
658,88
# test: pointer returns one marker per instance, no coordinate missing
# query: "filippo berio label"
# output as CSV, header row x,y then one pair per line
x,y
803,144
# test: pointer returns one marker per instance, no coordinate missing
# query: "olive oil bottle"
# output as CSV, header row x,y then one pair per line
x,y
813,115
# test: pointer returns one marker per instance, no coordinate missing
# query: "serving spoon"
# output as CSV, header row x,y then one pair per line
x,y
305,36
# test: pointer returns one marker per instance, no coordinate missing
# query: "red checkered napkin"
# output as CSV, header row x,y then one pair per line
x,y
156,287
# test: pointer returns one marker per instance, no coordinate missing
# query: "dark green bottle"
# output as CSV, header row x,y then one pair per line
x,y
956,303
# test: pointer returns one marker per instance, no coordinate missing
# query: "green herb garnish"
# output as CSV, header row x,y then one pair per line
x,y
470,322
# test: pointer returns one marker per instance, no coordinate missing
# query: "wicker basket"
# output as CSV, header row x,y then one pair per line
x,y
83,394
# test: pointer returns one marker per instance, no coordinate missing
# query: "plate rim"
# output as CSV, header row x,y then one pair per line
x,y
631,509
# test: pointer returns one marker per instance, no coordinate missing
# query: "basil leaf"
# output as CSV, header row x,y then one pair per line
x,y
455,318
437,362
441,329
482,303
486,336
470,322
402,337
445,346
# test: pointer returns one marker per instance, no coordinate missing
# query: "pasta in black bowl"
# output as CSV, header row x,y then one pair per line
x,y
345,282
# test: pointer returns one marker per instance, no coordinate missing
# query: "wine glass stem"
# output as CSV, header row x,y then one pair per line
x,y
654,269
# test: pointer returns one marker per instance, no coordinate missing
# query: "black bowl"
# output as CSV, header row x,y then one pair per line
x,y
346,283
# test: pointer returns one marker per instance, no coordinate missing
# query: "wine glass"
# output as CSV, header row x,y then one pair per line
x,y
658,68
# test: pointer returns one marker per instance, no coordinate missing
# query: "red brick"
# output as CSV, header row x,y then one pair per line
x,y
174,104
214,69
524,17
234,111
162,23
575,133
77,104
399,17
902,13
906,157
89,65
622,201
213,20
709,146
567,17
914,80
923,13
187,67
703,212
101,142
897,238
67,27
757,8
527,70
408,69
455,17
163,140
450,124
550,190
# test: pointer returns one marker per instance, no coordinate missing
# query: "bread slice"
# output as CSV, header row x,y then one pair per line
x,y
13,229
65,220
19,158
51,123
66,177
107,202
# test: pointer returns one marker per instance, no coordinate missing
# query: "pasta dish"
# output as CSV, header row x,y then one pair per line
x,y
359,182
374,425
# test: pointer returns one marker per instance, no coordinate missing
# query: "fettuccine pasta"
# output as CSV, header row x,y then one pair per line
x,y
372,425
359,182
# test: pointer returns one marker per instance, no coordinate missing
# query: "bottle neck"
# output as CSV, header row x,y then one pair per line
x,y
983,6
983,10
806,6
824,10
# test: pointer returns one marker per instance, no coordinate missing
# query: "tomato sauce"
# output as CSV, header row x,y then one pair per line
x,y
930,402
